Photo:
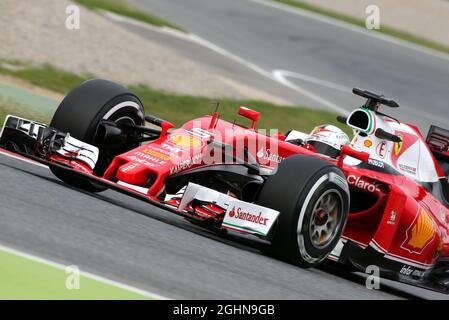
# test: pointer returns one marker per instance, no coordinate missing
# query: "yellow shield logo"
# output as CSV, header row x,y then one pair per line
x,y
398,145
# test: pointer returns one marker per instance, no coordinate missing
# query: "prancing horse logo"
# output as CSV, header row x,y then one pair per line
x,y
398,145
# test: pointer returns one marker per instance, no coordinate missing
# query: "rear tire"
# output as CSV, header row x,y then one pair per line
x,y
312,196
80,114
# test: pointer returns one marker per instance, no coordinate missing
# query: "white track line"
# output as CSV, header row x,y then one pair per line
x,y
310,79
282,78
83,273
350,27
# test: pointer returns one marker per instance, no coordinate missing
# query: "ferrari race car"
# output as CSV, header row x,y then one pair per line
x,y
380,200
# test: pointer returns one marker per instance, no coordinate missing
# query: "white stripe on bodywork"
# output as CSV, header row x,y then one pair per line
x,y
413,264
396,258
133,187
338,248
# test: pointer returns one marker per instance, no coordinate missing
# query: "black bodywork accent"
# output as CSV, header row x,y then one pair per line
x,y
374,99
436,278
223,178
438,138
385,169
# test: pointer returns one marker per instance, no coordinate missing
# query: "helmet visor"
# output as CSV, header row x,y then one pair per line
x,y
324,148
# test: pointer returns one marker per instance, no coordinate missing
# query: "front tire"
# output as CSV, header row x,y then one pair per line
x,y
80,114
312,196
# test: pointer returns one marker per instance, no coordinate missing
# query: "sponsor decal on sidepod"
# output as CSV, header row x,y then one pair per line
x,y
361,183
420,234
411,271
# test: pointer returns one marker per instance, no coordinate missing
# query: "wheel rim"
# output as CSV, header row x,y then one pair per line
x,y
325,219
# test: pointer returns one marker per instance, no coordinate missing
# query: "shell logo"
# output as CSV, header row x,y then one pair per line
x,y
420,234
185,141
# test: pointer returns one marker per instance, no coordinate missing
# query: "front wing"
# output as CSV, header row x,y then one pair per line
x,y
60,151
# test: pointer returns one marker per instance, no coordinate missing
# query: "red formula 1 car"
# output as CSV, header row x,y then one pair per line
x,y
381,200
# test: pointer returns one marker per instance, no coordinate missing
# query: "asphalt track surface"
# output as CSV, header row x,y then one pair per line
x,y
125,240
329,57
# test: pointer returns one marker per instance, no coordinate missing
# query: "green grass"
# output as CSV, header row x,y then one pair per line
x,y
122,7
23,278
45,76
361,23
181,108
8,107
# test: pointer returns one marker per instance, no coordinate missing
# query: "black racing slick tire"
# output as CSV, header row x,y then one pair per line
x,y
80,113
312,196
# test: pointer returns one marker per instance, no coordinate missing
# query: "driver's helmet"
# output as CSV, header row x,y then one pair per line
x,y
327,140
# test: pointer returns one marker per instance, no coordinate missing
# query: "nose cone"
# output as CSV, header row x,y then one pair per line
x,y
133,173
